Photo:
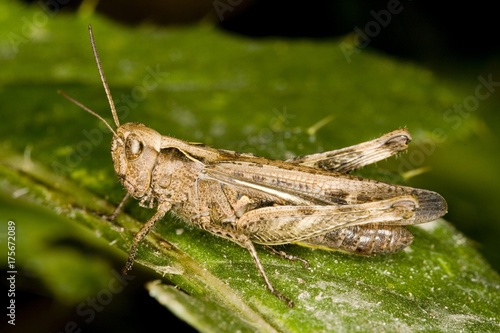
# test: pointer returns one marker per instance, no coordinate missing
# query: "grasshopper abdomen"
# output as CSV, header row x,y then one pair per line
x,y
365,239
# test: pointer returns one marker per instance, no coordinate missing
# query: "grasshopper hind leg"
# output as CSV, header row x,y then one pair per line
x,y
368,239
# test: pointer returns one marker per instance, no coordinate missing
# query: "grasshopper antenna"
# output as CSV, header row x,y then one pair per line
x,y
74,101
106,89
103,78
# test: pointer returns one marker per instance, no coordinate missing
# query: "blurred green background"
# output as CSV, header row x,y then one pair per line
x,y
250,76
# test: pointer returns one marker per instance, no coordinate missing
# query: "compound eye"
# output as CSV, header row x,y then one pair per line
x,y
133,147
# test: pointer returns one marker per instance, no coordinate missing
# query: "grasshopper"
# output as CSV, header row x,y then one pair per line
x,y
310,200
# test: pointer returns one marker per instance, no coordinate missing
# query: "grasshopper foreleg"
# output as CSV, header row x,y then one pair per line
x,y
118,209
139,236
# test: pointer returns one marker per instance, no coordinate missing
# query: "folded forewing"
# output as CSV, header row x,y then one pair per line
x,y
288,224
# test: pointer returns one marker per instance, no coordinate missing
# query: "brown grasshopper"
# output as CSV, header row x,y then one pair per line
x,y
310,200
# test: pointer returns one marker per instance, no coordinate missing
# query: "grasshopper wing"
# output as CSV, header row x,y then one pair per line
x,y
290,224
285,184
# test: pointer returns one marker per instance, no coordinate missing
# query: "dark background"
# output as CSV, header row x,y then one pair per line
x,y
428,32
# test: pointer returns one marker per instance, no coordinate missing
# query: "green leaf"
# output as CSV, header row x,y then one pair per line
x,y
264,97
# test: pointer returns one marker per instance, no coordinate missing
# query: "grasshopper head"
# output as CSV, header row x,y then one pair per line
x,y
134,150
